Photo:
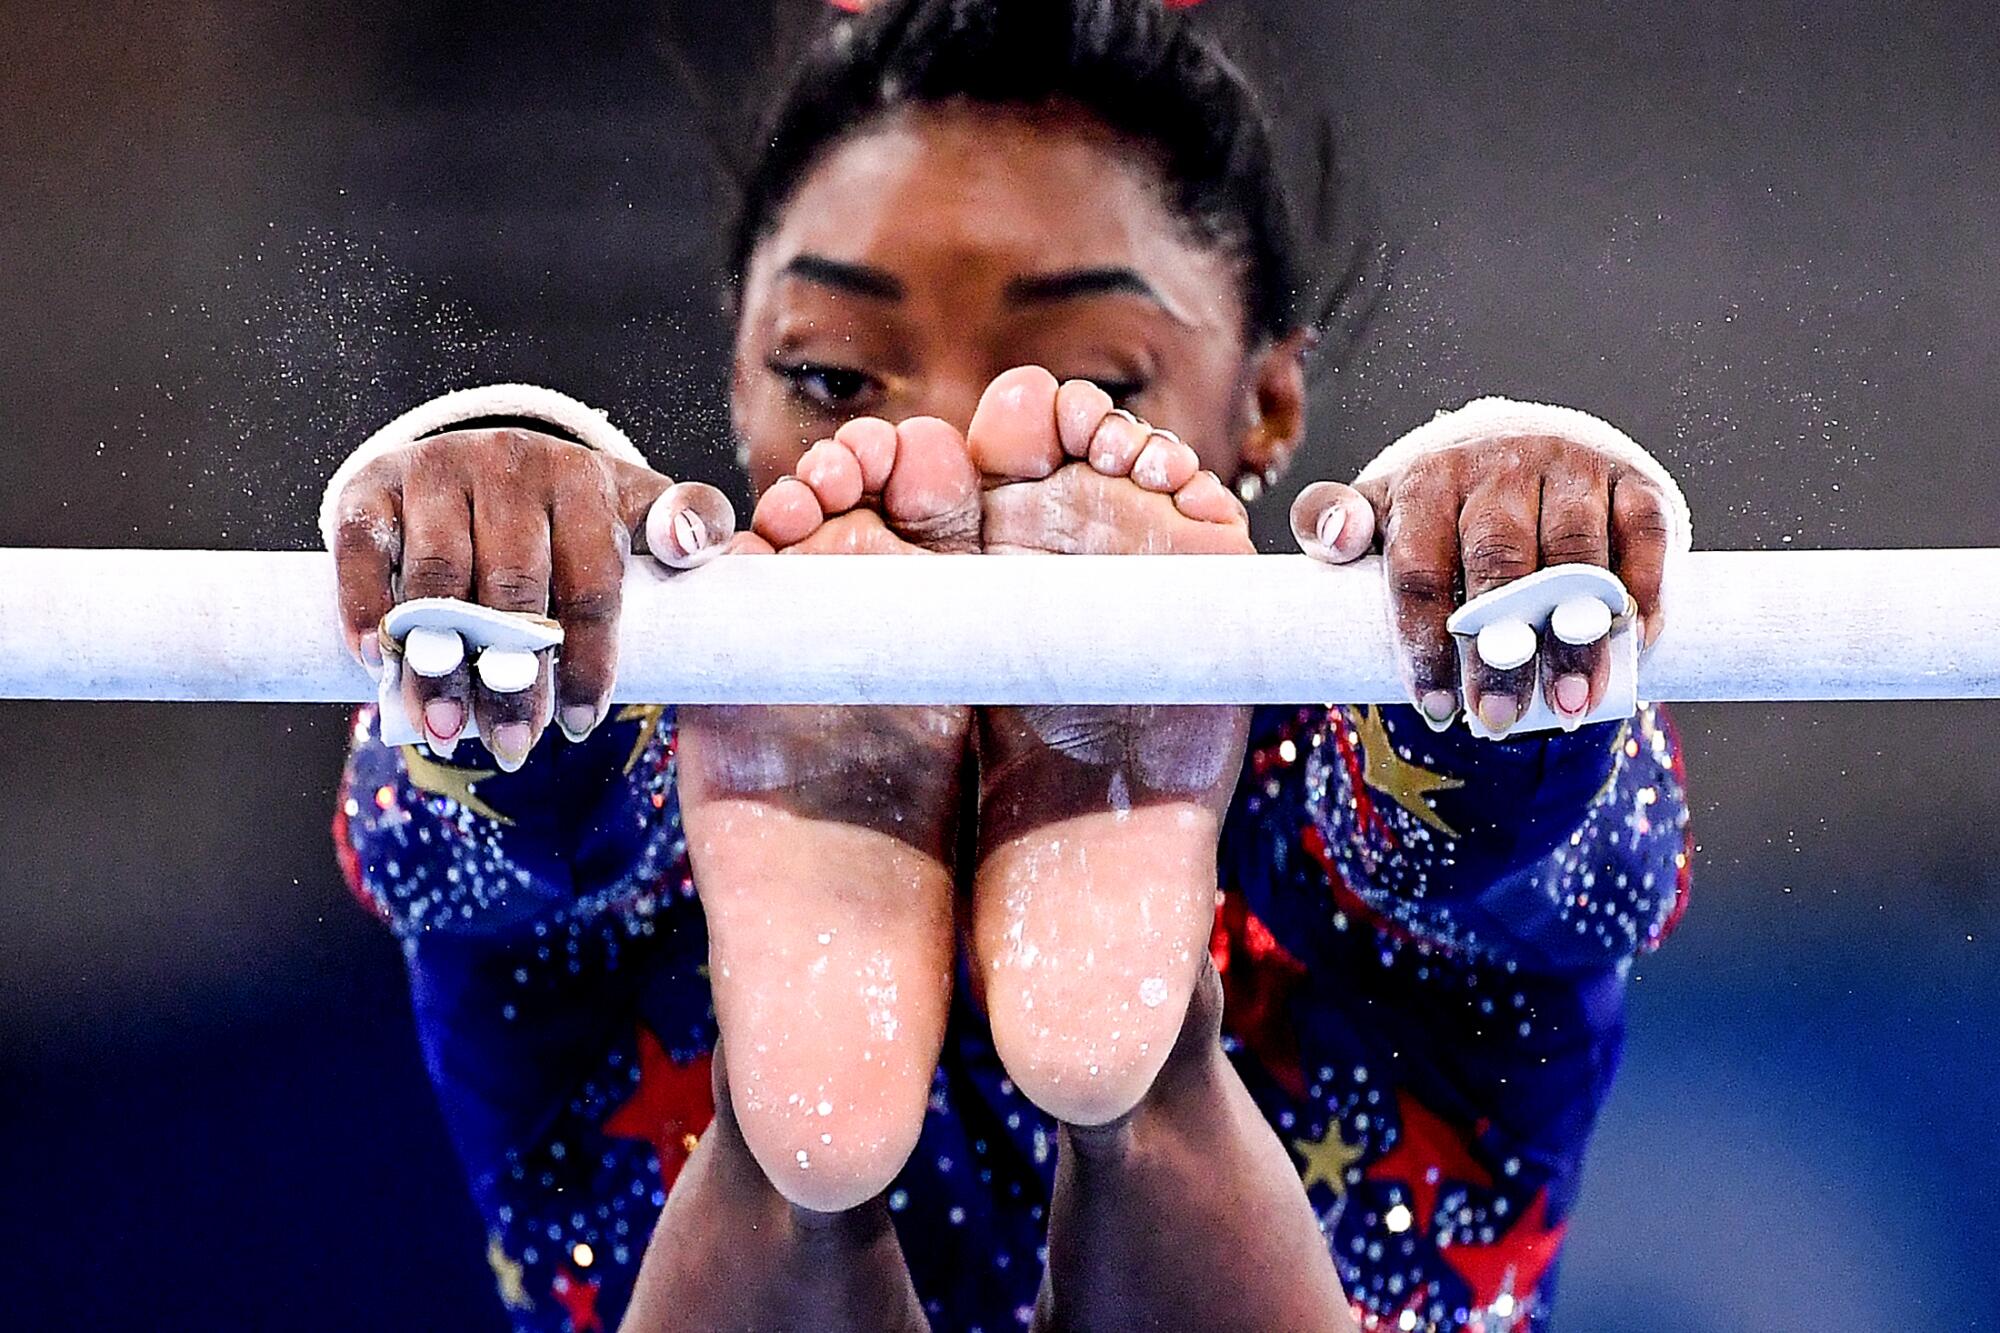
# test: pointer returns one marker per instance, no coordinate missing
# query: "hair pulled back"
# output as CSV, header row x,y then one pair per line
x,y
1147,73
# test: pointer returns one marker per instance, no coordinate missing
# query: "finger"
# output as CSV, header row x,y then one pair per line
x,y
586,590
1115,444
1574,676
1080,407
1165,464
787,514
1575,521
1575,529
872,441
511,566
689,524
438,707
1498,690
1420,550
365,545
1332,522
1499,535
511,721
437,562
1641,534
834,474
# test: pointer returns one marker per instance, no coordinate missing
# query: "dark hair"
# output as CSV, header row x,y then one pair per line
x,y
1148,74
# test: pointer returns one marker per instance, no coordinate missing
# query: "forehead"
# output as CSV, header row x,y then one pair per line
x,y
967,188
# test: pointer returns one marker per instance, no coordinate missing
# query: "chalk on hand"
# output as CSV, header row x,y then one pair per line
x,y
432,652
508,670
1506,644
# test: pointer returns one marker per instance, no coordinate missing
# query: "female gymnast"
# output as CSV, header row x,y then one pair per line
x,y
1095,1018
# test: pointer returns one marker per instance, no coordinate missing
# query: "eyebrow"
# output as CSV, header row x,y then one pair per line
x,y
843,276
1071,284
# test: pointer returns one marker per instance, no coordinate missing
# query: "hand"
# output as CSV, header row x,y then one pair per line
x,y
1460,521
518,521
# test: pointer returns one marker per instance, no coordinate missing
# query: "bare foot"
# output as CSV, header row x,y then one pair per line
x,y
821,843
1095,890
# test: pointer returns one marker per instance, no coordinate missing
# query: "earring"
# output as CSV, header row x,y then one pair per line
x,y
1252,485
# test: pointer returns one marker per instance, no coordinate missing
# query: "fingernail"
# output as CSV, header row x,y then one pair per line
x,y
510,743
690,533
1331,525
1572,693
1499,711
436,713
444,719
371,651
1438,708
577,721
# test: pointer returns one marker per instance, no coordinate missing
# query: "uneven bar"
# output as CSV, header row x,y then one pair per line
x,y
259,626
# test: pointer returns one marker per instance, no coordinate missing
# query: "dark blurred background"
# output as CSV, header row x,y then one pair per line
x,y
233,237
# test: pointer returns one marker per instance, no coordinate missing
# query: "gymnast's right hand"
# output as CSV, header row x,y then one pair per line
x,y
518,521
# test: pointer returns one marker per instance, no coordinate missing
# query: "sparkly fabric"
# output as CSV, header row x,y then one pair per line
x,y
1424,942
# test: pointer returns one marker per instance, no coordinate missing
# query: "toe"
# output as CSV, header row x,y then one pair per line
x,y
1118,442
1207,499
1080,406
932,496
834,474
788,513
1013,435
872,441
1165,464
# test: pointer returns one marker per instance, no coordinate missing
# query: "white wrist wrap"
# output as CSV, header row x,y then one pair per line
x,y
1485,419
528,401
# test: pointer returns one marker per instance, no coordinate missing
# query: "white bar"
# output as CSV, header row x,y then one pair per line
x,y
250,626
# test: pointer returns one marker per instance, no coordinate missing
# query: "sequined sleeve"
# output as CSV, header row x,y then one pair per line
x,y
1556,854
462,848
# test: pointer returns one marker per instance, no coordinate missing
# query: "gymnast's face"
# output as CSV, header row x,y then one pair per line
x,y
941,245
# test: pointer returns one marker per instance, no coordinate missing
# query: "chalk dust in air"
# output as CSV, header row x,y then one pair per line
x,y
305,346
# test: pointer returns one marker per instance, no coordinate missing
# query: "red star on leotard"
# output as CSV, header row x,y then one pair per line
x,y
578,1298
670,1109
1522,1255
1259,978
1428,1152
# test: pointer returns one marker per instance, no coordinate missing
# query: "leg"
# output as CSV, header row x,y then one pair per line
x,y
1095,890
1175,1204
1187,1213
821,842
731,1253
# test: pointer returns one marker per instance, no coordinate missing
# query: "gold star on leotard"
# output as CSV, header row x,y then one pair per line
x,y
648,717
1403,782
454,784
1327,1159
507,1274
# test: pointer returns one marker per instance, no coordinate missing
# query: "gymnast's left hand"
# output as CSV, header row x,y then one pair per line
x,y
1461,521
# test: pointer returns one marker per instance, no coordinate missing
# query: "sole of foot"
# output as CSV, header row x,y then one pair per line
x,y
1095,890
821,843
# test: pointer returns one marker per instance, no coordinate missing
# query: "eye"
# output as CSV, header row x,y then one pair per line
x,y
835,388
1122,392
